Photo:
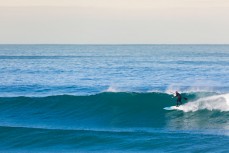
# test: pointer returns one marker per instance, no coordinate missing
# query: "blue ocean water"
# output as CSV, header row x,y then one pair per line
x,y
110,98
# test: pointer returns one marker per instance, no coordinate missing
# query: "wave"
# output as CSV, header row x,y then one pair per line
x,y
115,110
110,119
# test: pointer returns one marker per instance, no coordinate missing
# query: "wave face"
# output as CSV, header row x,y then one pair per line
x,y
94,111
111,120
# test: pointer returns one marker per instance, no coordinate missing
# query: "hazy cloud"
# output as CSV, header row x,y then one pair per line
x,y
110,21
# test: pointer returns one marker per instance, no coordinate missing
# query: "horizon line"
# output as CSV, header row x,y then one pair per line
x,y
114,44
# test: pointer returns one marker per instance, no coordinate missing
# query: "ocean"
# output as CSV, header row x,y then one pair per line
x,y
110,98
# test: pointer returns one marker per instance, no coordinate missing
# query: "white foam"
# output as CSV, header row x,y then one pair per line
x,y
218,102
112,89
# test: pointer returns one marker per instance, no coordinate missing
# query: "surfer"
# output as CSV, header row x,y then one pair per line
x,y
179,97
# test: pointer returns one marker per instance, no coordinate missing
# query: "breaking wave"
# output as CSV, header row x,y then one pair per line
x,y
111,110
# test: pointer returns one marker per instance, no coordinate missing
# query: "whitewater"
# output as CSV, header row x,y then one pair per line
x,y
110,98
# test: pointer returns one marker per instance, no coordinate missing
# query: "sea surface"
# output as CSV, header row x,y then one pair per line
x,y
110,98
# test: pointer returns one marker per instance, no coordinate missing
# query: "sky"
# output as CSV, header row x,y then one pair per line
x,y
114,22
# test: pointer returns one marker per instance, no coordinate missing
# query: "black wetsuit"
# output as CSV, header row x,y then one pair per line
x,y
179,97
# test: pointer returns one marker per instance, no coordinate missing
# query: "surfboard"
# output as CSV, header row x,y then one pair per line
x,y
173,108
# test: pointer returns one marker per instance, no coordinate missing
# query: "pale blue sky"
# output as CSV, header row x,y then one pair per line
x,y
114,21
